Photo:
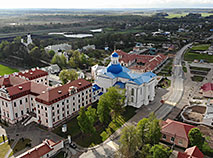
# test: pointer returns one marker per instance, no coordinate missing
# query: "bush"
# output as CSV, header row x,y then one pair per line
x,y
104,135
206,149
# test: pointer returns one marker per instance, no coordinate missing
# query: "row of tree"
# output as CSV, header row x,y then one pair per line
x,y
110,107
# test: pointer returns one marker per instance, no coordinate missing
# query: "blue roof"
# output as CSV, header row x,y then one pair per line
x,y
115,54
114,68
137,78
120,84
95,87
101,93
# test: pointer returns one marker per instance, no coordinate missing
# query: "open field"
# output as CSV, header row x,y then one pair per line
x,y
200,47
191,56
6,70
173,15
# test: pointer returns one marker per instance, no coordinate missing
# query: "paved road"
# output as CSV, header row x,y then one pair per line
x,y
177,87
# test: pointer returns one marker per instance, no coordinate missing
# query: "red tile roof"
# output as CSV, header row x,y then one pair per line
x,y
33,73
10,80
25,88
207,87
192,152
150,61
39,150
55,94
176,128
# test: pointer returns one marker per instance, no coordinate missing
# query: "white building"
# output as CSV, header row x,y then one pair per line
x,y
58,47
29,40
140,87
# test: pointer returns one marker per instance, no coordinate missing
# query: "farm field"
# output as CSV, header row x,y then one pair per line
x,y
6,70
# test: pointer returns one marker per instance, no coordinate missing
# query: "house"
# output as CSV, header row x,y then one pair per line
x,y
89,47
58,47
175,132
192,152
29,40
47,148
207,90
52,69
140,87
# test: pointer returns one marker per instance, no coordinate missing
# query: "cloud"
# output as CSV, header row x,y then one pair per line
x,y
106,3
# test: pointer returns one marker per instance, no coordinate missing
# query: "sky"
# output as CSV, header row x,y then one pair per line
x,y
106,4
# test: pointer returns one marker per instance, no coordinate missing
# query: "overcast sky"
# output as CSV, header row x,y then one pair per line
x,y
106,4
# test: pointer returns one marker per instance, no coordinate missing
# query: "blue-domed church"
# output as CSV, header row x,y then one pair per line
x,y
140,87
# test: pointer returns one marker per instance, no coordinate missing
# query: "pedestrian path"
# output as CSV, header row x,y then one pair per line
x,y
3,142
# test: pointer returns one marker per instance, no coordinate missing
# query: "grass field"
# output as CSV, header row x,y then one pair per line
x,y
200,68
197,78
191,56
201,47
184,14
4,148
6,70
20,145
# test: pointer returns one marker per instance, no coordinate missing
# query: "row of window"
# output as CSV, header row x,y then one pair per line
x,y
172,139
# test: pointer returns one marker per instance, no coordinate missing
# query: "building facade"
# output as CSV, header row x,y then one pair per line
x,y
29,92
140,87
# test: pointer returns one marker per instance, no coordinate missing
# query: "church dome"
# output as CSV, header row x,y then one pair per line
x,y
115,54
114,68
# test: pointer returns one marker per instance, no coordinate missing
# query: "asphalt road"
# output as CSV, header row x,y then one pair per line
x,y
177,85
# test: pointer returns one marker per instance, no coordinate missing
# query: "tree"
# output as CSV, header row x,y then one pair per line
x,y
35,52
116,98
84,122
196,138
103,109
91,114
149,130
129,142
68,75
60,60
159,151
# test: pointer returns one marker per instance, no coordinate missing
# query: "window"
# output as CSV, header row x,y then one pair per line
x,y
53,114
38,106
73,109
14,104
46,120
31,98
67,106
82,99
16,114
172,139
26,100
86,92
82,93
53,120
79,95
39,111
73,98
67,101
53,108
7,114
132,99
180,141
20,101
63,115
67,112
79,101
58,111
58,118
141,90
79,106
132,91
41,107
2,103
62,103
73,104
57,105
90,90
45,108
62,109
86,97
164,136
46,114
22,112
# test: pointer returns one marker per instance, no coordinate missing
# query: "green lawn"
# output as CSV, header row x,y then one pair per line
x,y
73,129
59,155
4,148
176,15
201,47
190,56
200,68
1,139
20,145
6,70
197,78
